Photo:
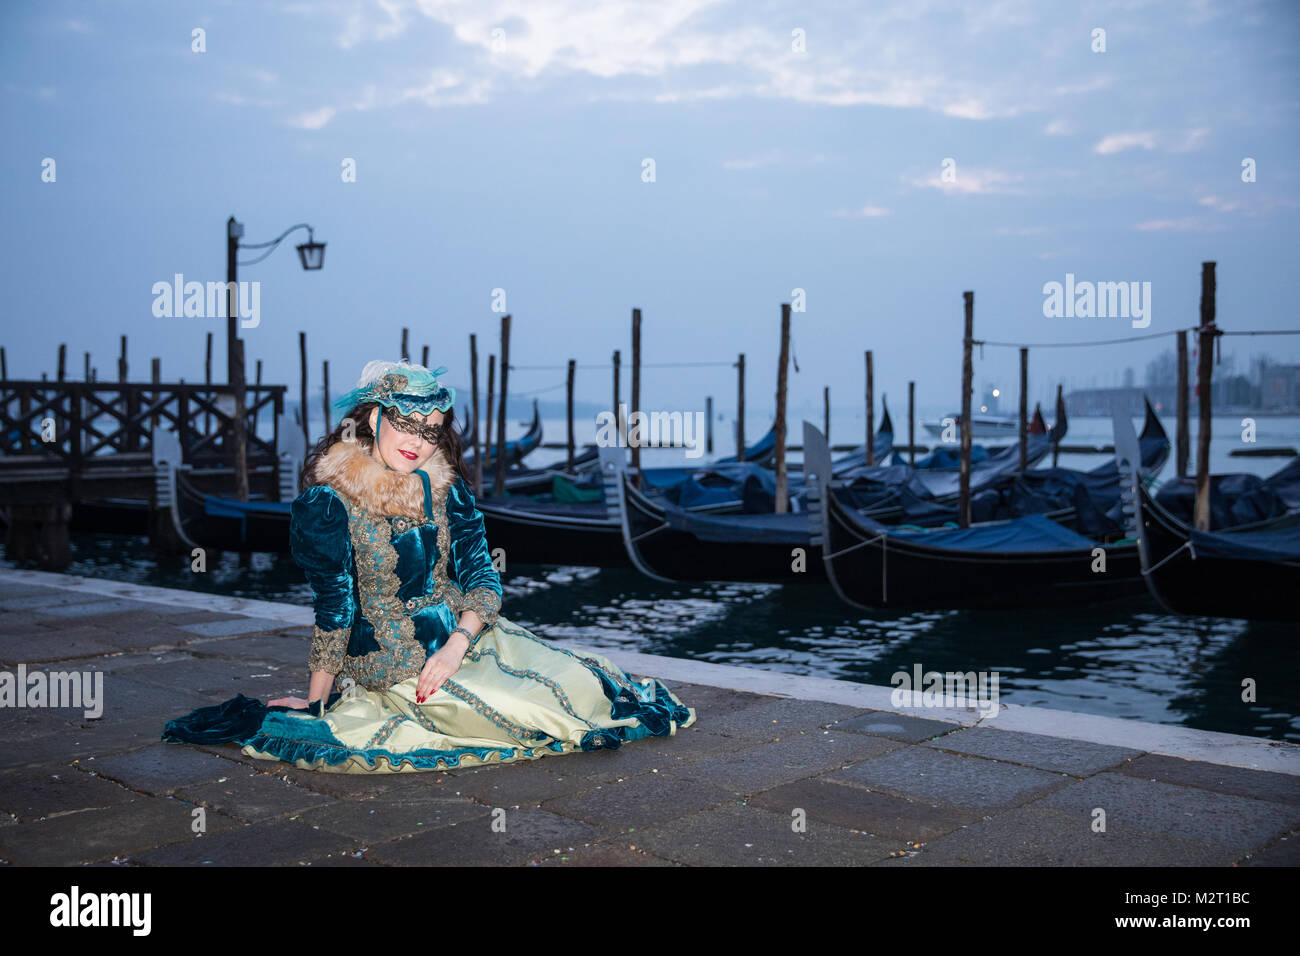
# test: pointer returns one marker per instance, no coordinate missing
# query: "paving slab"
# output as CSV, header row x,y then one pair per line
x,y
635,802
46,790
956,780
117,831
275,843
1282,852
600,855
529,834
164,768
897,726
1029,836
775,717
385,818
900,820
1239,823
802,754
733,834
1078,758
233,626
1242,781
251,797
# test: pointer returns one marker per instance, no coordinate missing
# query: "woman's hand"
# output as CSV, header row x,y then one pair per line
x,y
441,665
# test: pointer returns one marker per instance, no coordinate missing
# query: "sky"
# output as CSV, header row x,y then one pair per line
x,y
702,161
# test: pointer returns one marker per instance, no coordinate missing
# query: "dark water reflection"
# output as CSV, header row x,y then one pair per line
x,y
1124,659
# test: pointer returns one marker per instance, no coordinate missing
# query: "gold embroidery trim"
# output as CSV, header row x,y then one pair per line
x,y
328,648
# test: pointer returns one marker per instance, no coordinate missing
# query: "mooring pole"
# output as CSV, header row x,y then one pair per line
x,y
1204,371
1183,441
782,506
499,485
967,374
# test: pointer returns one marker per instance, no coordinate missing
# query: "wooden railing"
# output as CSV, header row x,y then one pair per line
x,y
91,420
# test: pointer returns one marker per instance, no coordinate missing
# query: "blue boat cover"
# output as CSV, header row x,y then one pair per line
x,y
1031,533
1274,544
230,508
790,528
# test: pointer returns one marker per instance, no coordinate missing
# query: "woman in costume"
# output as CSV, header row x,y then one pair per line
x,y
407,616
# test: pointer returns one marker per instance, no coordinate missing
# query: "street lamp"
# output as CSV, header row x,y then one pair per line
x,y
311,253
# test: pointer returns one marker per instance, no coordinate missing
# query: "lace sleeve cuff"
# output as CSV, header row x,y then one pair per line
x,y
328,648
484,602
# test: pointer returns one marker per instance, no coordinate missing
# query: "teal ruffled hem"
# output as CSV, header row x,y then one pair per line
x,y
656,717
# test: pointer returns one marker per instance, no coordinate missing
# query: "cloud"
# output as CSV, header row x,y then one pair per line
x,y
866,212
1059,127
972,182
1118,142
1185,224
1221,205
314,119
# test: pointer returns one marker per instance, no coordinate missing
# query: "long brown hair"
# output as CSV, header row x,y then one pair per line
x,y
451,442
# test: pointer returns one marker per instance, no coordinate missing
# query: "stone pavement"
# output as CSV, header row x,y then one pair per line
x,y
758,780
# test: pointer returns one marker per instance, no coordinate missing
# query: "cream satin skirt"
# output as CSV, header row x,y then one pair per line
x,y
515,697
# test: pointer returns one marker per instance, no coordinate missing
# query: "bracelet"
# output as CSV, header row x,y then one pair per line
x,y
460,627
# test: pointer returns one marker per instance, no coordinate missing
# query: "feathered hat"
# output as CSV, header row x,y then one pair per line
x,y
401,385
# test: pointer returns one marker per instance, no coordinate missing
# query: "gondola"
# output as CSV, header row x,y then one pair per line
x,y
881,448
1024,562
217,523
1247,574
669,543
1250,572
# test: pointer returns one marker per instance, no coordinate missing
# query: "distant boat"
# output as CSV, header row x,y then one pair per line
x,y
516,448
982,426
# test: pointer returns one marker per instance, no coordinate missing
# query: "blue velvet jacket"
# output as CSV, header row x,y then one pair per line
x,y
390,582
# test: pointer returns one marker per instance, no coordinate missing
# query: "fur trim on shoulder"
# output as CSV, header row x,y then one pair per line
x,y
350,468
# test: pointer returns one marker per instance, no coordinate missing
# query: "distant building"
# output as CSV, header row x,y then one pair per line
x,y
1279,387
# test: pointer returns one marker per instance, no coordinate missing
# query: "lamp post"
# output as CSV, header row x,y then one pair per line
x,y
312,255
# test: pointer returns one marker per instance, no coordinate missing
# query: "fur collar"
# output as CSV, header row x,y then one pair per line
x,y
350,468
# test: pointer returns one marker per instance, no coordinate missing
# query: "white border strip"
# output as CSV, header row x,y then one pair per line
x,y
1274,756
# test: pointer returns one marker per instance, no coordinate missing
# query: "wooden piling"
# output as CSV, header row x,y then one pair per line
x,y
871,413
325,396
1024,410
473,393
240,430
257,412
620,426
424,356
63,361
499,485
740,407
782,506
85,372
302,387
967,374
826,412
568,402
636,395
406,335
1183,440
708,425
207,381
1204,372
1060,417
121,363
488,415
911,423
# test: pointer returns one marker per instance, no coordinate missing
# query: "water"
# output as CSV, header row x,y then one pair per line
x,y
1126,659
